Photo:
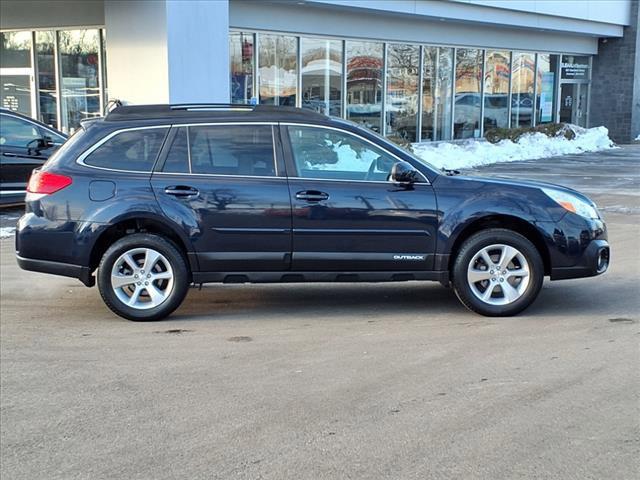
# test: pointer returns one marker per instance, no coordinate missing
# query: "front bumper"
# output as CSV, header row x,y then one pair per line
x,y
56,268
594,261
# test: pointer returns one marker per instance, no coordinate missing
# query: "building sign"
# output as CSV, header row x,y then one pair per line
x,y
574,68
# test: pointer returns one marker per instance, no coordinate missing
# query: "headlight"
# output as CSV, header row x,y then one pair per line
x,y
572,203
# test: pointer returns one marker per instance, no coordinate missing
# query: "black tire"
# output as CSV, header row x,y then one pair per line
x,y
172,254
474,245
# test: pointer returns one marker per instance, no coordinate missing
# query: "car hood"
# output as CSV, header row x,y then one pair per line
x,y
524,183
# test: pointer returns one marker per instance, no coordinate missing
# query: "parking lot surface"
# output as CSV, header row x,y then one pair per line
x,y
326,381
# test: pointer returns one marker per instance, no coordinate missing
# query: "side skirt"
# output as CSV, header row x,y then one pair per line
x,y
298,277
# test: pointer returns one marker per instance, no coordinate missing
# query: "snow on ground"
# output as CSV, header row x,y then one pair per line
x,y
8,219
530,146
6,232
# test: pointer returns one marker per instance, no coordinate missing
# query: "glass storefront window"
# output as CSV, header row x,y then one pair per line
x,y
496,89
429,82
47,89
15,50
464,91
403,64
444,93
16,71
278,69
241,45
80,89
545,88
364,83
321,71
468,91
522,83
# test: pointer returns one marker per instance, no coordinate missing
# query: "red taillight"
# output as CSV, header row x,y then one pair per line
x,y
45,182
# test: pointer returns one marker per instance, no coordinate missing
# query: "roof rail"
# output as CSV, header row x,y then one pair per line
x,y
211,106
146,112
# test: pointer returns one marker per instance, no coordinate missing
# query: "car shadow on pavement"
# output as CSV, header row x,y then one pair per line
x,y
317,300
320,301
402,299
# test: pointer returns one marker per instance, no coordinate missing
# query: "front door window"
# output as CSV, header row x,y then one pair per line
x,y
333,155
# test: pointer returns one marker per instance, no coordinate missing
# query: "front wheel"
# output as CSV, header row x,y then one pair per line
x,y
497,273
143,277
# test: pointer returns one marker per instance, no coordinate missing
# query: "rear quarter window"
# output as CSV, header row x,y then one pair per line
x,y
131,150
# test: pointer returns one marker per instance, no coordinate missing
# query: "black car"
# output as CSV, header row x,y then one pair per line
x,y
152,199
25,144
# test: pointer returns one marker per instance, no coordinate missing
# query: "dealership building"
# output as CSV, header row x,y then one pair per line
x,y
413,70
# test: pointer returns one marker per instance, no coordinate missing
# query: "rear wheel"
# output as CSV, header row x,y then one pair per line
x,y
497,272
143,277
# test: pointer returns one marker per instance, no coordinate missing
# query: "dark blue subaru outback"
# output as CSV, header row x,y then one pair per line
x,y
152,199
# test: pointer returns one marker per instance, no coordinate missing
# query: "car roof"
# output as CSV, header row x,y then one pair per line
x,y
200,111
6,111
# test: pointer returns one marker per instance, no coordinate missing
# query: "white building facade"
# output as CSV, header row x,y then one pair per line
x,y
413,70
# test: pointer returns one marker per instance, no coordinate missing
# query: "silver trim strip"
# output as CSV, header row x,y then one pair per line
x,y
81,158
12,192
273,177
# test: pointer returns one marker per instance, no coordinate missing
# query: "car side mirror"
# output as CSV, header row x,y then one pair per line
x,y
404,172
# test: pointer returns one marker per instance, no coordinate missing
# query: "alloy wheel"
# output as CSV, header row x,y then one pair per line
x,y
498,274
142,278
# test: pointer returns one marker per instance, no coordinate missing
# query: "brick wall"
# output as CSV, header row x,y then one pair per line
x,y
615,84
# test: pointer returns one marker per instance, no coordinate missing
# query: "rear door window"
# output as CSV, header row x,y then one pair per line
x,y
130,150
243,150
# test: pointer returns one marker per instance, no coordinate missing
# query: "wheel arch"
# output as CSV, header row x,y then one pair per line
x,y
142,223
515,224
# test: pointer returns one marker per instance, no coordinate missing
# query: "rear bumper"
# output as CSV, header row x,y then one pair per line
x,y
56,268
594,261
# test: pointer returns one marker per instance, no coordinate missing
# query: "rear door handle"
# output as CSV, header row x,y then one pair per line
x,y
312,195
181,191
7,154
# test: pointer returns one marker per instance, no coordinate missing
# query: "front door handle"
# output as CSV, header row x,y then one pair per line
x,y
312,195
8,154
181,191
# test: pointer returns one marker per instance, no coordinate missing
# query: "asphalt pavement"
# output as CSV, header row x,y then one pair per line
x,y
334,381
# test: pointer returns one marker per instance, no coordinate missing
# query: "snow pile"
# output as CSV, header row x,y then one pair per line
x,y
6,232
529,147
